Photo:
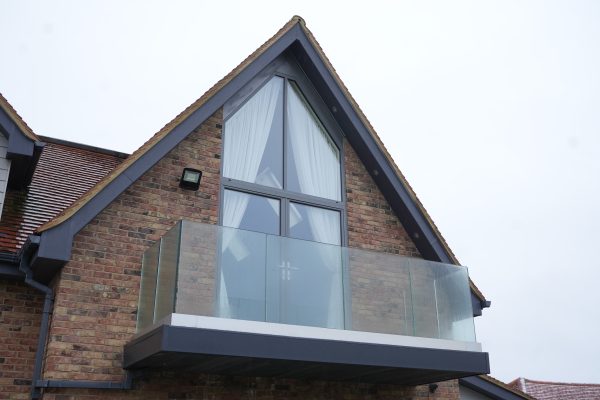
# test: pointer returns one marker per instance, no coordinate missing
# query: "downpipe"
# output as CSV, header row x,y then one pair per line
x,y
36,383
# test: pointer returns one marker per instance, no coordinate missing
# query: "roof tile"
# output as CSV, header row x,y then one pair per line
x,y
64,173
542,390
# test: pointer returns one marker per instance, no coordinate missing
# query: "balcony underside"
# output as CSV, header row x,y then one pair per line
x,y
254,354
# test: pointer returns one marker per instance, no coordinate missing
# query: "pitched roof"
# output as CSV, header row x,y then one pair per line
x,y
506,386
65,171
156,139
16,118
542,390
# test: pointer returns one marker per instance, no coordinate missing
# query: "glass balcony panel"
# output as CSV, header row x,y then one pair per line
x,y
442,301
304,283
454,304
241,275
423,292
380,289
198,257
145,316
208,270
166,282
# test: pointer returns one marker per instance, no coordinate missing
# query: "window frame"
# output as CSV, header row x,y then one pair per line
x,y
285,67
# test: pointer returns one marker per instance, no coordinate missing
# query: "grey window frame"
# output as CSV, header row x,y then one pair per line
x,y
287,68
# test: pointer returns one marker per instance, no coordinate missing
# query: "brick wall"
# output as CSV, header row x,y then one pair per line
x,y
372,225
97,292
381,297
171,385
20,316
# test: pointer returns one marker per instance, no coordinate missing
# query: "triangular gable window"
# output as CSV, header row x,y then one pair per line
x,y
260,132
253,142
282,170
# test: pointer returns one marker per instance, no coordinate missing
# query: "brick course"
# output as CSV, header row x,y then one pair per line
x,y
171,385
20,316
97,291
372,225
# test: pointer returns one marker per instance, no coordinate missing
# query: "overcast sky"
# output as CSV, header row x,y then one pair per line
x,y
491,110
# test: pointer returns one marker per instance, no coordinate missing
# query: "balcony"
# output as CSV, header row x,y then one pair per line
x,y
228,301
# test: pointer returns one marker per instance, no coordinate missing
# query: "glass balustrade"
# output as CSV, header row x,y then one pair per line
x,y
209,270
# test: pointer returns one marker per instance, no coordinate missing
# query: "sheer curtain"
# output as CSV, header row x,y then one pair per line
x,y
317,163
316,157
245,140
247,132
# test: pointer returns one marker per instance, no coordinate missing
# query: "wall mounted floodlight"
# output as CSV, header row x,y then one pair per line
x,y
190,179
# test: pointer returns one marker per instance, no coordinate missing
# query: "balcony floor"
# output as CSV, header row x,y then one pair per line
x,y
252,353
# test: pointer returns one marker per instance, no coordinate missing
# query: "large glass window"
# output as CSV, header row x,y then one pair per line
x,y
281,176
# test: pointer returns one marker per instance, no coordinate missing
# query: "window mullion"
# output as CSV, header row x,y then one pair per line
x,y
285,138
285,202
284,223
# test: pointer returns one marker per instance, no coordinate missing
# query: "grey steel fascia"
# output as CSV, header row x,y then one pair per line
x,y
488,389
19,145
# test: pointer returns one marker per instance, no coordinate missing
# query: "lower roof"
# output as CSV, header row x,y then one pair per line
x,y
493,388
64,173
543,390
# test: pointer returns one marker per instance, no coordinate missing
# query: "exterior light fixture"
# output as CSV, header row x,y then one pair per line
x,y
190,179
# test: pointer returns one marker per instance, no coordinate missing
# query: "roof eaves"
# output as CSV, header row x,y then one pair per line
x,y
16,118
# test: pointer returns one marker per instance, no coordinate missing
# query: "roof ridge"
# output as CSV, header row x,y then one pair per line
x,y
560,383
84,146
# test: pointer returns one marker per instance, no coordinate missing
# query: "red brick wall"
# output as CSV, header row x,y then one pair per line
x,y
176,386
97,292
20,316
376,278
372,225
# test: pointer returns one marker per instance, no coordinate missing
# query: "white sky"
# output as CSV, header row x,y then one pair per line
x,y
491,110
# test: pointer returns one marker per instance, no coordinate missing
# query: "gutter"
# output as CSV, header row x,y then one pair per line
x,y
36,383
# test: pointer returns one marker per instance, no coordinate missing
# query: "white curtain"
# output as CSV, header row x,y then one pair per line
x,y
317,162
247,131
316,157
246,135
